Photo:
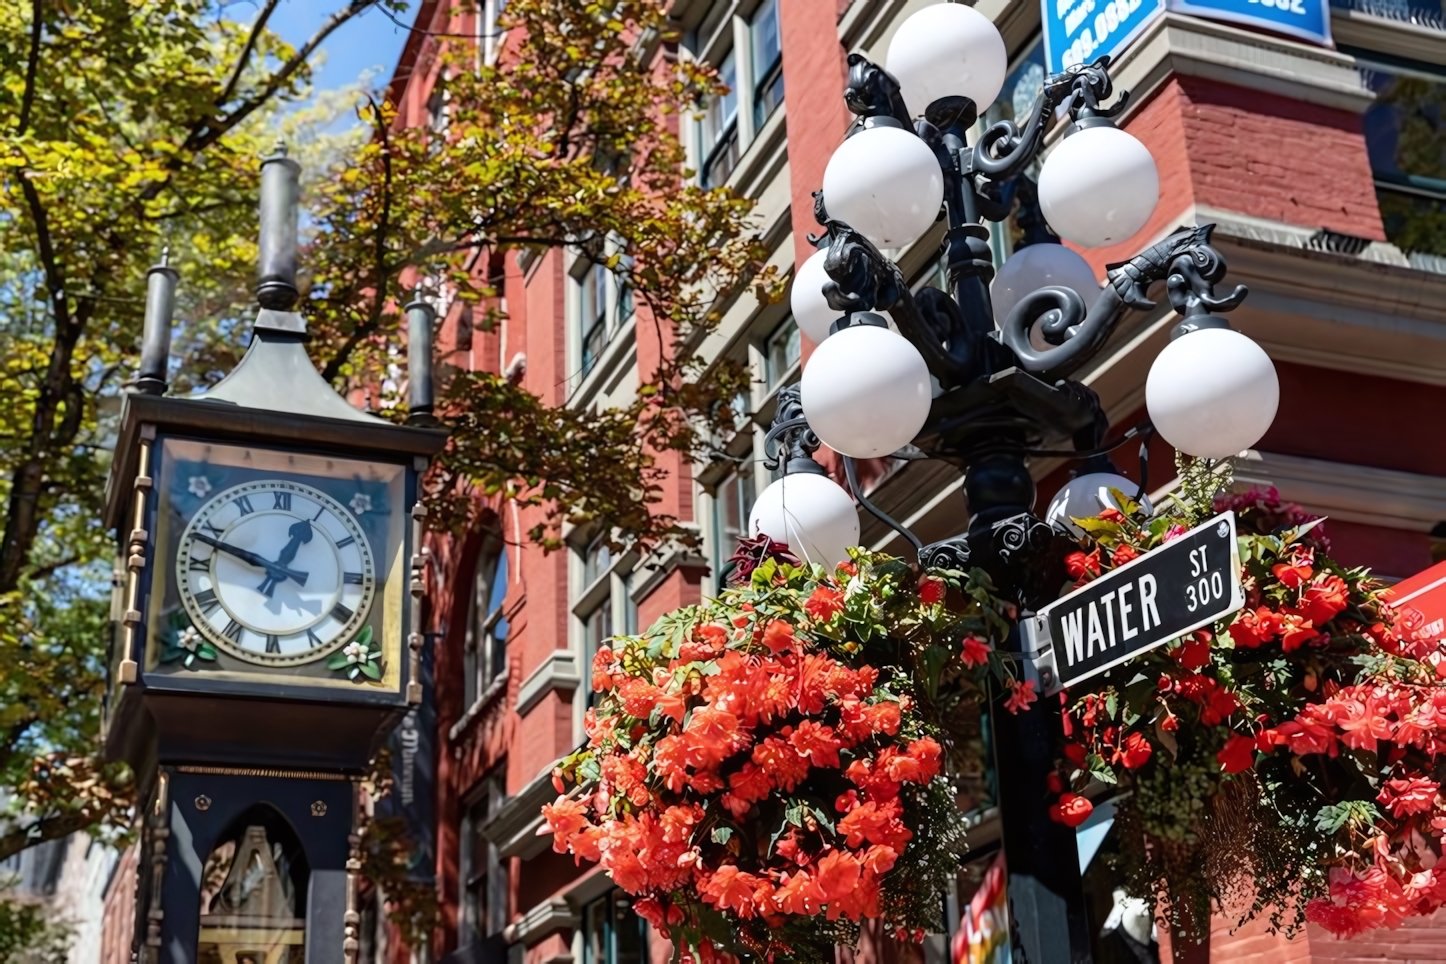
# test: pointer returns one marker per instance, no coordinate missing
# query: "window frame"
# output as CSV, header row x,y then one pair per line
x,y
607,905
484,660
483,912
767,77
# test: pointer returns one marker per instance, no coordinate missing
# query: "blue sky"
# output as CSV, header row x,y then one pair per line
x,y
371,41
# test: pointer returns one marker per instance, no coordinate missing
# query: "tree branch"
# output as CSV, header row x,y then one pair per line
x,y
32,66
213,130
245,55
43,829
379,254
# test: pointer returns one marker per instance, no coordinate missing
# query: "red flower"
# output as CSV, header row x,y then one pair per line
x,y
1054,782
1296,572
650,910
838,874
602,661
1111,514
782,762
1325,599
1296,631
1193,652
1071,810
918,763
976,652
1238,754
1075,754
817,743
778,637
824,604
1123,554
799,894
1135,752
1078,565
1020,696
1405,797
730,888
931,590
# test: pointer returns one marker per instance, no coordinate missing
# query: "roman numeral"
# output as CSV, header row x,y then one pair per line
x,y
340,613
243,503
319,510
345,542
352,578
207,600
233,631
273,643
215,531
283,500
315,639
199,565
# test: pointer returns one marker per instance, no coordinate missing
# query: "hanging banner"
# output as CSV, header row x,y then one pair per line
x,y
1082,31
1308,20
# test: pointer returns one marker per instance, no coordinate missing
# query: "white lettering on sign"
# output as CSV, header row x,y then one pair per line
x,y
1101,30
1087,633
1289,6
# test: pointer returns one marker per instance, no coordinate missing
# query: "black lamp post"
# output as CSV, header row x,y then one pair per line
x,y
1001,395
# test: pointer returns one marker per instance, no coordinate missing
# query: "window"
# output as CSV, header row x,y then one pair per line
x,y
612,932
767,62
781,352
483,875
732,504
720,127
593,312
491,35
596,561
1406,139
485,651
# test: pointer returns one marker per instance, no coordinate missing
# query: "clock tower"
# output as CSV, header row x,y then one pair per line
x,y
267,631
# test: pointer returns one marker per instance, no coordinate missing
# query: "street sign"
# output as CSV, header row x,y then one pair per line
x,y
1189,582
1308,20
1082,31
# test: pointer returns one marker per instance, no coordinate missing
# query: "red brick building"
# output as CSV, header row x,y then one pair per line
x,y
1325,173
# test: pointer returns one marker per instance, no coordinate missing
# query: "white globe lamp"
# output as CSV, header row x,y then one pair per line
x,y
811,514
885,183
1036,266
866,392
1212,393
948,50
1098,186
1086,496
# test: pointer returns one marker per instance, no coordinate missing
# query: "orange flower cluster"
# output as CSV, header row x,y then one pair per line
x,y
743,765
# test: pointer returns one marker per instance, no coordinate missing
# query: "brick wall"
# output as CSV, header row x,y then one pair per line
x,y
1252,153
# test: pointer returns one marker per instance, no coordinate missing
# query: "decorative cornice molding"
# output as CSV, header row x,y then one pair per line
x,y
1353,493
550,915
558,671
513,830
1179,44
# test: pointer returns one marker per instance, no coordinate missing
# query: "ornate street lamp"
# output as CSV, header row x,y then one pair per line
x,y
952,380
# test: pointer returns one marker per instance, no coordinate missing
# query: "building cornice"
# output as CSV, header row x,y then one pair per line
x,y
1353,493
1188,46
559,671
514,828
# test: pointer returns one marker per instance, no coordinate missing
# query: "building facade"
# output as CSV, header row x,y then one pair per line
x,y
1323,169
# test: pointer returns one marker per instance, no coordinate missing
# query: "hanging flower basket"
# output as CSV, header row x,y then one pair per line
x,y
1283,761
767,770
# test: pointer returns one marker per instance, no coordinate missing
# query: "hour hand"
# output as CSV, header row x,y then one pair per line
x,y
300,533
255,559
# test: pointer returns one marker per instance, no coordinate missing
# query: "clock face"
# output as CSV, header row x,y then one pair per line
x,y
275,573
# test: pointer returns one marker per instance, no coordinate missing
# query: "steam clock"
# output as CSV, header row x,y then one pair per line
x,y
267,625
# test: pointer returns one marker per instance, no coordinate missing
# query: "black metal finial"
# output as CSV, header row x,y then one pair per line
x,y
156,336
421,398
280,197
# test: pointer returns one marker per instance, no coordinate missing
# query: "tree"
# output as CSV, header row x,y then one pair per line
x,y
129,124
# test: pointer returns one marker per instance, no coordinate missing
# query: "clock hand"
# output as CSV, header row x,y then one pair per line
x,y
300,532
255,559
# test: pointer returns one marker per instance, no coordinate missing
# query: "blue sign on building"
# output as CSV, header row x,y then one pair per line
x,y
1308,20
1082,31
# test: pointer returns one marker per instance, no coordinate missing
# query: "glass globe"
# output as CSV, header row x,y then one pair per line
x,y
1086,496
1098,186
948,50
810,309
866,392
885,183
1036,266
1212,393
812,514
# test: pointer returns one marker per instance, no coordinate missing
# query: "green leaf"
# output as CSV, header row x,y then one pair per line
x,y
336,661
206,651
365,636
722,835
371,669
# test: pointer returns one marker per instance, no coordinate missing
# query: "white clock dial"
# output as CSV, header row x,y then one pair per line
x,y
275,572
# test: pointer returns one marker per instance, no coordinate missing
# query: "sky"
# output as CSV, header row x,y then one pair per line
x,y
370,42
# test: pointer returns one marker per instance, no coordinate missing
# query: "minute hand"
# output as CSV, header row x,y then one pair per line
x,y
255,559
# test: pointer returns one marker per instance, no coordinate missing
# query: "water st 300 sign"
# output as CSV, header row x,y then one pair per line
x,y
1189,582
